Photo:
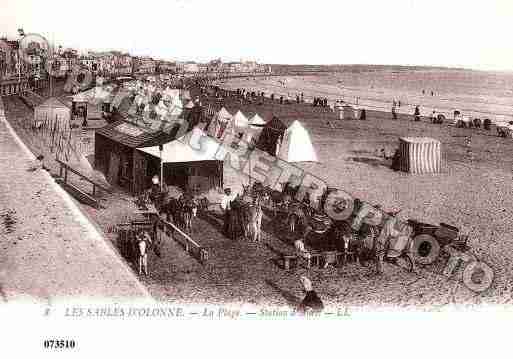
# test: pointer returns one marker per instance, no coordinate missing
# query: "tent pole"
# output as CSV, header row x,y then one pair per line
x,y
161,169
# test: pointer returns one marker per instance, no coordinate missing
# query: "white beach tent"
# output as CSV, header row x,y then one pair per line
x,y
256,121
256,125
297,145
240,122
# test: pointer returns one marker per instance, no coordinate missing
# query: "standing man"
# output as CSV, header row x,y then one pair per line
x,y
433,117
155,189
226,200
394,114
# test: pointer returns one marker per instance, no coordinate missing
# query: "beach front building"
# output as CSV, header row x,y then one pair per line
x,y
107,63
165,67
17,75
144,65
90,63
191,67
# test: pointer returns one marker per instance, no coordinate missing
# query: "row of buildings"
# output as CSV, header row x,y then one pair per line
x,y
18,73
115,63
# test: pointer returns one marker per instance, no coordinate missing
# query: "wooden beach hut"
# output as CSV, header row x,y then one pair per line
x,y
419,155
117,157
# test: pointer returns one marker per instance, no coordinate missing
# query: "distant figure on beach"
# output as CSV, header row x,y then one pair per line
x,y
363,115
432,93
302,98
281,100
399,103
416,114
423,92
394,114
433,116
272,97
297,98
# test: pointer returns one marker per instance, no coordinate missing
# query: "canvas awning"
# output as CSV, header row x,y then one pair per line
x,y
192,147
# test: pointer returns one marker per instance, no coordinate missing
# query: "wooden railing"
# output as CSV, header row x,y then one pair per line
x,y
190,246
63,174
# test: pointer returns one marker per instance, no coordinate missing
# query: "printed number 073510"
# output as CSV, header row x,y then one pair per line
x,y
58,344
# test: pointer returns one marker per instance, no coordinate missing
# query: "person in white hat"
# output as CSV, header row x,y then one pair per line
x,y
155,188
311,301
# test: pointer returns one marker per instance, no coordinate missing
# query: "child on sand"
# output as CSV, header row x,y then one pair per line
x,y
311,301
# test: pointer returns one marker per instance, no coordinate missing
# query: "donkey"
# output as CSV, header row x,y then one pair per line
x,y
143,242
252,214
189,210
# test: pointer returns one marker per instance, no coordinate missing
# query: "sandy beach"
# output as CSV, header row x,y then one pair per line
x,y
473,193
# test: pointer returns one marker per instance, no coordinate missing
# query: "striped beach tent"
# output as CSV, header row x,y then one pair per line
x,y
220,124
420,155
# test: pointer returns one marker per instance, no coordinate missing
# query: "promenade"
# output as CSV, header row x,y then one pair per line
x,y
49,251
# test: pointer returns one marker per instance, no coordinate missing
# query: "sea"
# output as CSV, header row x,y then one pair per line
x,y
475,94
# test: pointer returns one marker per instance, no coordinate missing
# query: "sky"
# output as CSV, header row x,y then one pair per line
x,y
453,33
